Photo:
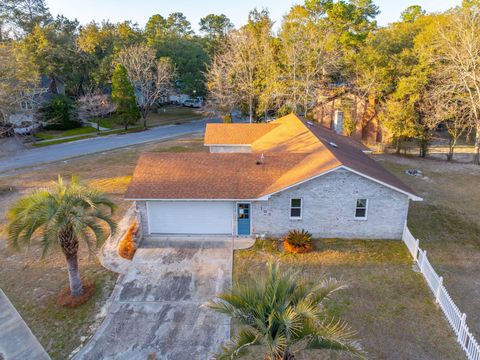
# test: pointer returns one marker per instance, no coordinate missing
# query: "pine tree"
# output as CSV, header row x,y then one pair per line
x,y
123,94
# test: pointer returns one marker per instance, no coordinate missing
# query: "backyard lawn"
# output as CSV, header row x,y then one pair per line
x,y
386,302
31,284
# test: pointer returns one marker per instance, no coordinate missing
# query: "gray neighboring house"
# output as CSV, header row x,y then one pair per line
x,y
30,99
267,179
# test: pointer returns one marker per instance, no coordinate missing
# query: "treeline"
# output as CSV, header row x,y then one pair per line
x,y
415,75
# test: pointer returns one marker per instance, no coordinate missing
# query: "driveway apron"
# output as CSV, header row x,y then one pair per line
x,y
157,310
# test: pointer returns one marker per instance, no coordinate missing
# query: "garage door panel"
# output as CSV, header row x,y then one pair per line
x,y
185,217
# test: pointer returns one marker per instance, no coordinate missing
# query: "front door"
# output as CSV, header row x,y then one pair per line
x,y
243,219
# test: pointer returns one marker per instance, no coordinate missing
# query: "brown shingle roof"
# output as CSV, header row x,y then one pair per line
x,y
295,151
208,176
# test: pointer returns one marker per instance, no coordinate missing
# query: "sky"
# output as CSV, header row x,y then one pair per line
x,y
237,10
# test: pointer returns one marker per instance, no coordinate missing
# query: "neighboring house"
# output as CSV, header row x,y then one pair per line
x,y
29,100
266,179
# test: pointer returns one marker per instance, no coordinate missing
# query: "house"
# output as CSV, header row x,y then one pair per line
x,y
267,179
30,99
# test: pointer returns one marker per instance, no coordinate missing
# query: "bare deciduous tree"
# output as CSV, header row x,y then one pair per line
x,y
456,63
151,78
94,105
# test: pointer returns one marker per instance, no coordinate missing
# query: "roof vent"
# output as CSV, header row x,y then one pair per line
x,y
333,144
261,161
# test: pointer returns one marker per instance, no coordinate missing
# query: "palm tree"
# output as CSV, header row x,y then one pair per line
x,y
62,215
284,314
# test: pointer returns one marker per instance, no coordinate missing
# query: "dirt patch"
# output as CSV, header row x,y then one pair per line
x,y
66,299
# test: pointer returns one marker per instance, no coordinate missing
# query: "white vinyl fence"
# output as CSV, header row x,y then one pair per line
x,y
454,316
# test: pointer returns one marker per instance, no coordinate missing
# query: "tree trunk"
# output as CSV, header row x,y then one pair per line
x,y
69,245
250,108
397,146
76,288
476,156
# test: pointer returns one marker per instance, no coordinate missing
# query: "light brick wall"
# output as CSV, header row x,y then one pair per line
x,y
142,216
329,208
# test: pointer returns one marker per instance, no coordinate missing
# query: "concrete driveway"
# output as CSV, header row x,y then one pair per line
x,y
157,310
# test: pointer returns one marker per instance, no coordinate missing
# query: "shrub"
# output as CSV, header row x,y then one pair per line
x,y
59,113
298,241
127,246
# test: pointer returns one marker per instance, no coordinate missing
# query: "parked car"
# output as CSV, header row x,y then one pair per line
x,y
192,103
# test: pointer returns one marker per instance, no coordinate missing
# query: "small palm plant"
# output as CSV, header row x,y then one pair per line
x,y
285,315
62,215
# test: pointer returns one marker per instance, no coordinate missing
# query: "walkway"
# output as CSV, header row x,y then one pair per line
x,y
16,338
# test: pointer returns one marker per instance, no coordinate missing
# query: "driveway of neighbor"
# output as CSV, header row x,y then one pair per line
x,y
157,311
42,155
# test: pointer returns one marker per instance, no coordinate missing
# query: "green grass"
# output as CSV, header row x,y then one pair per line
x,y
165,116
104,133
54,134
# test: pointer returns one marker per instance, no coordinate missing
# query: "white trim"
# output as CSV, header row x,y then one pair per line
x,y
411,196
249,214
301,208
240,200
148,218
365,218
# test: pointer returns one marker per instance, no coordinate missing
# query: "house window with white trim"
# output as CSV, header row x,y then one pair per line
x,y
361,209
295,208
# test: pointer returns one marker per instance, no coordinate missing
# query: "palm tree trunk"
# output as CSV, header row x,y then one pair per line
x,y
69,244
76,288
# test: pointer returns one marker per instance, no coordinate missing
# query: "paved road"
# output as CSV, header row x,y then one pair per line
x,y
157,310
42,155
16,339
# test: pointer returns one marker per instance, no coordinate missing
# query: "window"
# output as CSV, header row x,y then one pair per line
x,y
296,208
361,209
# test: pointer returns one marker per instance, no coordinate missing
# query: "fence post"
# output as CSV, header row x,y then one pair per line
x,y
424,255
415,253
437,293
462,328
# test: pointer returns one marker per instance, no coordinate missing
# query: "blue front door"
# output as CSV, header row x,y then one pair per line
x,y
243,219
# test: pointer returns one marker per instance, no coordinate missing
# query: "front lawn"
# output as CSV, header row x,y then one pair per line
x,y
31,284
387,302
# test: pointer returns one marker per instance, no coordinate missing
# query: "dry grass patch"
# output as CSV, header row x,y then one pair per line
x,y
447,225
387,303
33,285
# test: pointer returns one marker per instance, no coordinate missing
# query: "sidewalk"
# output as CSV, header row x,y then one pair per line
x,y
16,338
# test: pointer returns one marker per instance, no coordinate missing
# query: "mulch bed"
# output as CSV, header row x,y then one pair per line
x,y
65,298
297,249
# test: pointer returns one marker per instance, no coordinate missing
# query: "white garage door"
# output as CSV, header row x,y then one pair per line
x,y
190,217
